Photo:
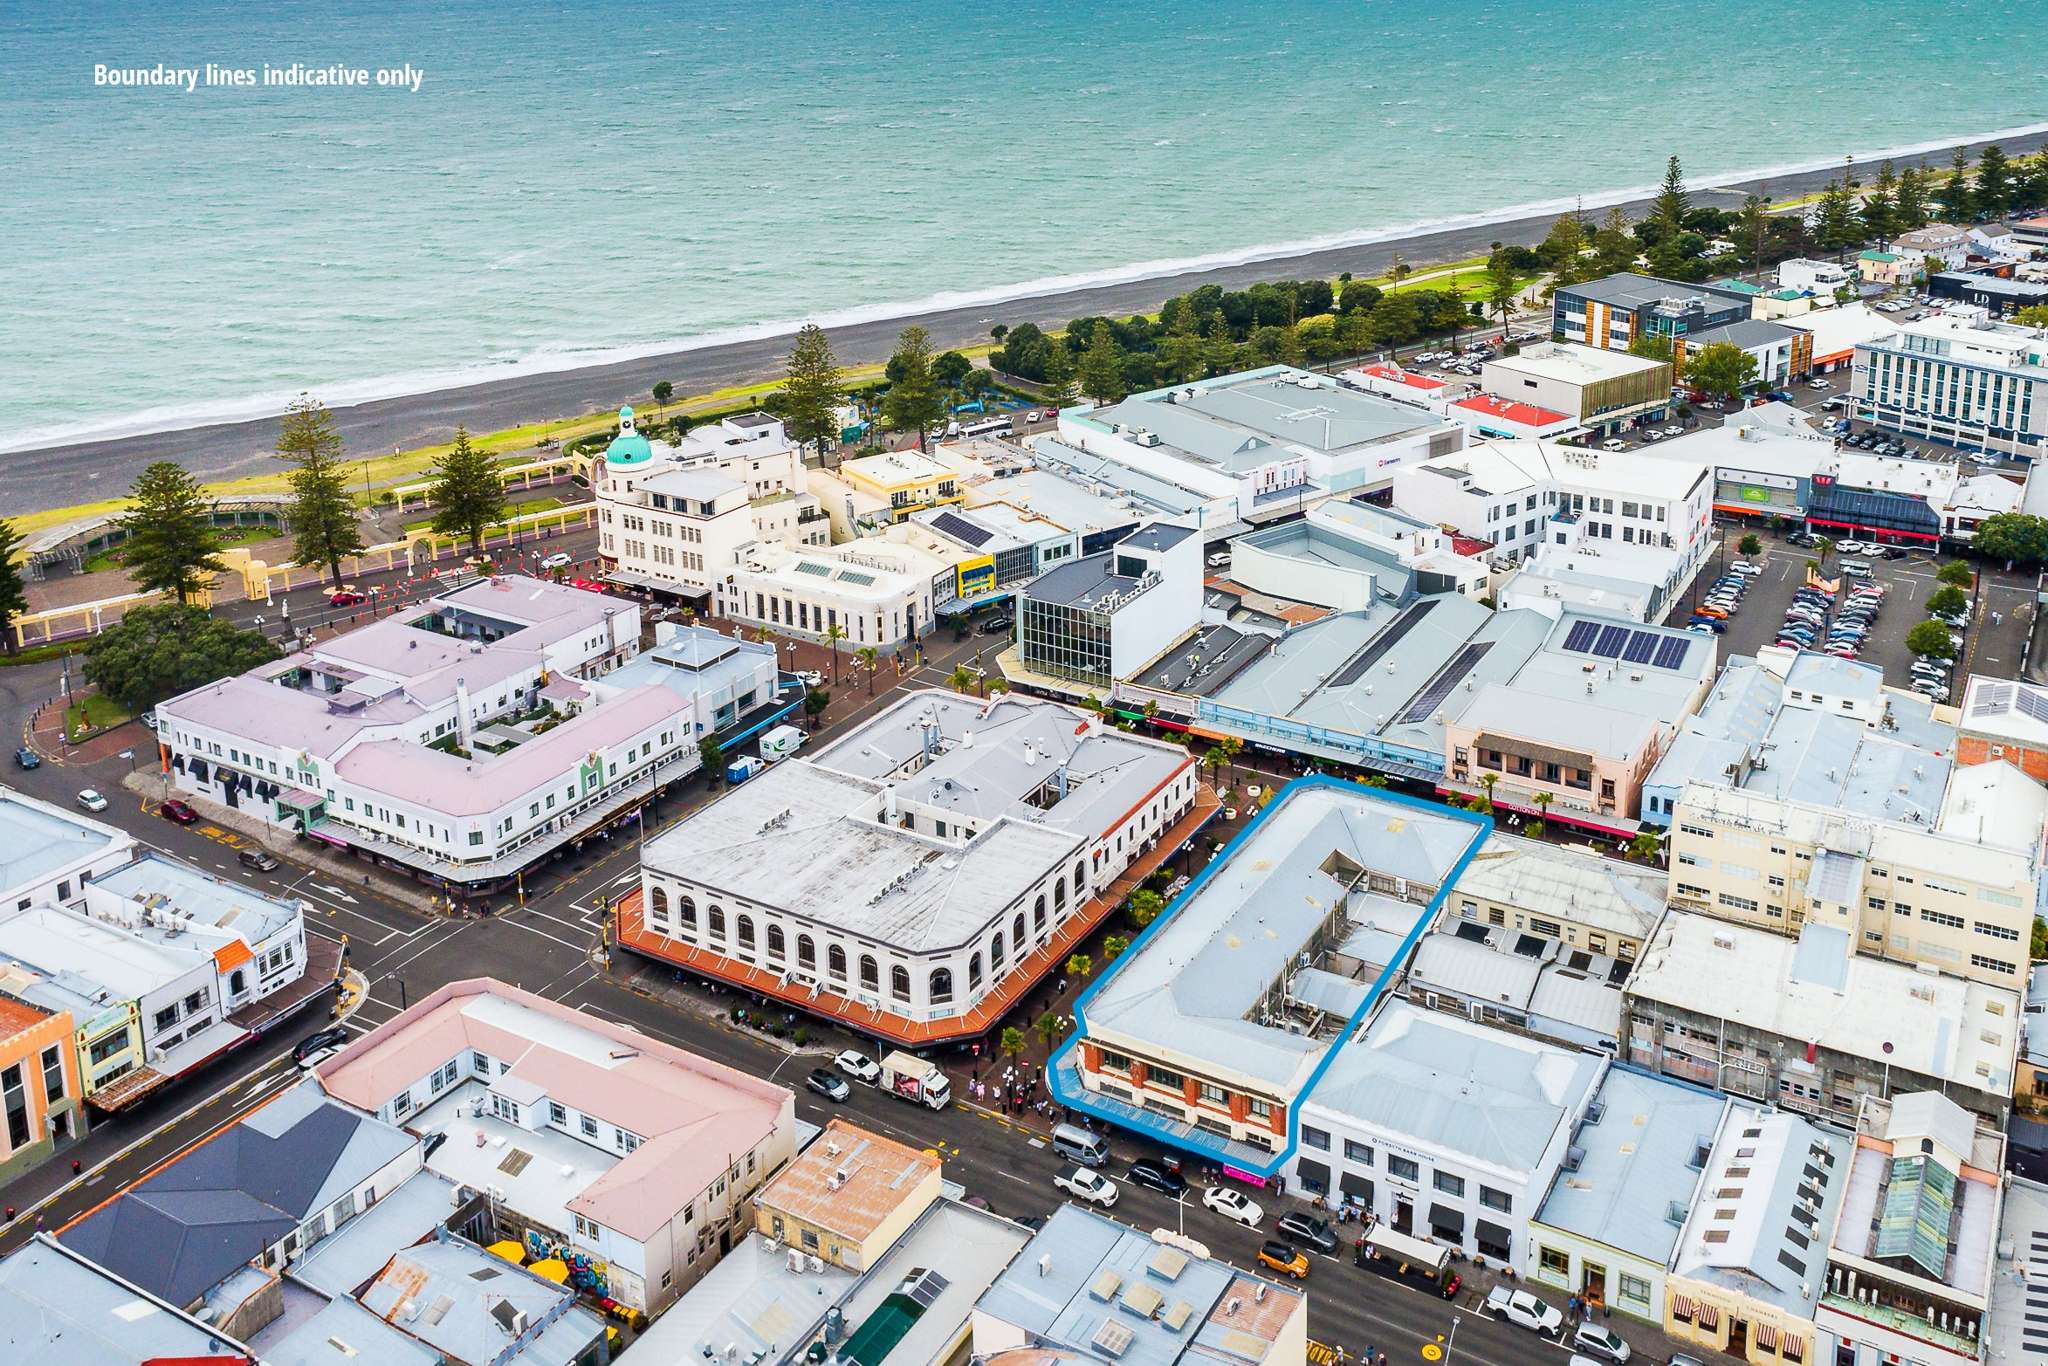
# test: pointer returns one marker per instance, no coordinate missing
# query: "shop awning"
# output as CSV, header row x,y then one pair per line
x,y
1446,1218
1488,1232
1356,1186
1313,1172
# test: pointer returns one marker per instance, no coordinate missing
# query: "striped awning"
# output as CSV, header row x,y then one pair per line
x,y
1766,1336
1682,1307
1707,1317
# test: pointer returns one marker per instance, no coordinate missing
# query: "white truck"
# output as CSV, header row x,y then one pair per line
x,y
781,742
913,1078
1524,1310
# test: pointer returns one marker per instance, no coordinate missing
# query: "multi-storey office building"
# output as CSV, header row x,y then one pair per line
x,y
1960,380
1610,313
1094,620
1601,390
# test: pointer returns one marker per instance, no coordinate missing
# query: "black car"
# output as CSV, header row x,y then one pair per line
x,y
1150,1171
1308,1231
997,624
27,758
319,1039
258,860
828,1084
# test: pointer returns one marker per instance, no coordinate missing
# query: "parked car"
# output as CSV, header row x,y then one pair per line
x,y
91,800
561,559
1524,1310
332,1037
1745,567
27,758
1283,1258
1712,625
1150,1171
1856,571
259,860
315,1058
348,595
1233,1204
1309,1231
1600,1343
859,1066
998,624
1084,1183
828,1084
175,810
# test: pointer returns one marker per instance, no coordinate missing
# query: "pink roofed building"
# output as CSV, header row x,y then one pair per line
x,y
590,1138
1389,380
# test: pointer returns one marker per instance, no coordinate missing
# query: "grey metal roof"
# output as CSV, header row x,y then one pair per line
x,y
1205,662
1319,545
1086,582
1157,536
343,1333
57,1309
1745,333
1638,1164
1629,290
37,839
1446,1083
181,1231
466,1301
1771,1235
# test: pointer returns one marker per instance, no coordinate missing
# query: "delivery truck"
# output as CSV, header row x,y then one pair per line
x,y
913,1078
743,768
781,742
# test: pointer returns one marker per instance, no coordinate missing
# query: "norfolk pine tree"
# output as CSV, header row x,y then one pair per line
x,y
323,518
467,494
13,595
811,389
172,546
913,402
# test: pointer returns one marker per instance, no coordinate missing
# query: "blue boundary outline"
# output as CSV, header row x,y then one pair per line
x,y
1078,1097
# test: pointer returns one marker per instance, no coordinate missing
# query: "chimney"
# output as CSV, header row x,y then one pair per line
x,y
464,724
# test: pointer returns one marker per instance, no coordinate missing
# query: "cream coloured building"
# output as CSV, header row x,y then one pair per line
x,y
848,1197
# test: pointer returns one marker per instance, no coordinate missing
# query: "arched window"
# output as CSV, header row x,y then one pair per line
x,y
776,947
870,973
686,910
995,949
942,986
238,983
806,952
659,901
974,972
718,922
1059,894
835,961
899,982
746,929
1038,916
1080,878
1017,934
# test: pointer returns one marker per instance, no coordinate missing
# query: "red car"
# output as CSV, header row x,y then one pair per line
x,y
346,597
175,810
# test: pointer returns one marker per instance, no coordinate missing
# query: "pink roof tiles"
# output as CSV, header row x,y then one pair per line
x,y
694,1116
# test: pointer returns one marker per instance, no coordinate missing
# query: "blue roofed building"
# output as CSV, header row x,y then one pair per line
x,y
1606,1227
1211,1031
1088,1286
58,1309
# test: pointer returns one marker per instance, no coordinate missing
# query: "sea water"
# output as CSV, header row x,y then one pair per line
x,y
564,181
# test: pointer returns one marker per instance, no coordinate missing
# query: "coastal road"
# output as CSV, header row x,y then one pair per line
x,y
51,476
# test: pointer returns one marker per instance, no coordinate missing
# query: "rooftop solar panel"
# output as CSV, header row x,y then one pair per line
x,y
1671,652
960,529
1641,646
1612,638
2033,704
1429,699
1387,640
1580,638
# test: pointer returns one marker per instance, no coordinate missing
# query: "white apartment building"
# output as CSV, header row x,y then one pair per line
x,y
674,517
914,876
1598,388
1814,277
1960,379
1445,1129
881,590
638,1154
49,854
456,738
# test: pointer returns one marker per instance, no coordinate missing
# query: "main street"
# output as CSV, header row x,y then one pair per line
x,y
552,943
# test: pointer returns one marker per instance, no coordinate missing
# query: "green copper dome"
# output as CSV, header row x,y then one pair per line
x,y
628,447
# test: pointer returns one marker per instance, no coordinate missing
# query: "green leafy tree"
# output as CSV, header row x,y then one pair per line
x,y
2033,315
815,702
1101,370
1048,1027
1750,545
172,546
1931,639
467,494
1720,368
1836,227
833,635
961,679
1651,346
157,652
1881,206
1752,229
323,518
1947,600
812,389
1994,188
951,369
1957,572
1146,905
1113,946
13,593
1614,249
663,391
913,402
1080,965
1562,248
2017,536
1503,287
712,755
1060,390
1958,197
1645,845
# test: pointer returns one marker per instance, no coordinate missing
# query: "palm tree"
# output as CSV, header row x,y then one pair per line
x,y
869,658
1080,965
1542,801
1645,845
1487,782
1011,1042
1048,1029
1214,760
1231,747
833,635
961,679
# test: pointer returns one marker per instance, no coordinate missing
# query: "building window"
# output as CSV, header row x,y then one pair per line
x,y
1552,1264
1634,1290
1494,1199
1354,1151
835,961
716,920
1449,1184
806,952
1315,1138
589,1126
659,904
870,973
899,982
1404,1167
686,911
941,986
53,1073
776,944
745,924
974,972
14,1094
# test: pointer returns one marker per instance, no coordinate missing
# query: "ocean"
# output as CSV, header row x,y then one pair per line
x,y
572,181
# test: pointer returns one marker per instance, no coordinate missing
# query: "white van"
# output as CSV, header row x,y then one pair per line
x,y
1076,1144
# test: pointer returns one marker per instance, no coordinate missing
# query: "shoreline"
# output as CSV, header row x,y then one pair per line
x,y
227,449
